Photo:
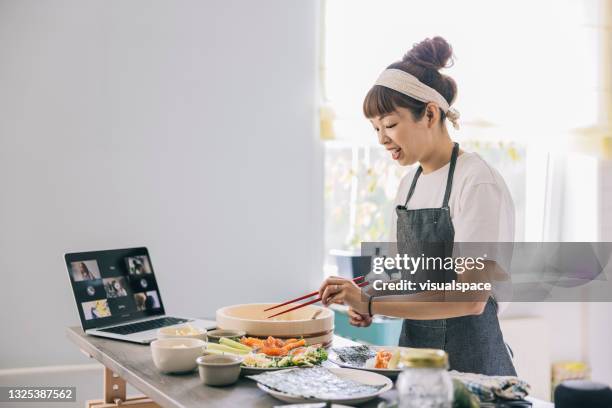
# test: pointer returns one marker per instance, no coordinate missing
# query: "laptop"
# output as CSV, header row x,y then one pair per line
x,y
117,295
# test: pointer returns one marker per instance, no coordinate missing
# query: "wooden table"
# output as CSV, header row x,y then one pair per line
x,y
132,363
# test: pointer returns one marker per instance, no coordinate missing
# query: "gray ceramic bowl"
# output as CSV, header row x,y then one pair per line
x,y
215,335
217,369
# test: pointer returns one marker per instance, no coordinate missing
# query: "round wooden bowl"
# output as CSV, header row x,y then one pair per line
x,y
251,318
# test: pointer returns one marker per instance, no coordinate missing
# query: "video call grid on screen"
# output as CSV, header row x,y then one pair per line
x,y
113,286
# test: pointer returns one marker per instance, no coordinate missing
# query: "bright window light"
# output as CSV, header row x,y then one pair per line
x,y
528,74
526,65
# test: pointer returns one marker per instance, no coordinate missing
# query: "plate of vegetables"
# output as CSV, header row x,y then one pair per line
x,y
271,354
379,359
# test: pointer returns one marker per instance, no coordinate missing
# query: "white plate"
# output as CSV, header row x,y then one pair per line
x,y
259,370
360,376
388,372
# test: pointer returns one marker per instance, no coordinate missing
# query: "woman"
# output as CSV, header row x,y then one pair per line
x,y
467,198
119,289
84,271
140,300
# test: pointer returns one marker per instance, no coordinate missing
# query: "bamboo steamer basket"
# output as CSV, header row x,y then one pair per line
x,y
251,318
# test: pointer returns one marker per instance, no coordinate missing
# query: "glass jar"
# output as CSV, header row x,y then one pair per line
x,y
424,381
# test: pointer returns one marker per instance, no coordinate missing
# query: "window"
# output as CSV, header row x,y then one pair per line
x,y
528,73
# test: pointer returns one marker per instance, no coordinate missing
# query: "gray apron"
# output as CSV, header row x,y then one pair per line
x,y
474,343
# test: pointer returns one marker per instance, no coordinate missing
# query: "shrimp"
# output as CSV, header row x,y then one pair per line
x,y
252,342
294,344
273,351
272,342
382,359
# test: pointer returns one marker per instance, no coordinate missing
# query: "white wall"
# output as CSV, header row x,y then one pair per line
x,y
186,126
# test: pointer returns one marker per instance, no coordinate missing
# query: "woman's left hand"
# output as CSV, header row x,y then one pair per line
x,y
343,292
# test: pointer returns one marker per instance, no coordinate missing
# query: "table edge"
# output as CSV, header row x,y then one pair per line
x,y
128,376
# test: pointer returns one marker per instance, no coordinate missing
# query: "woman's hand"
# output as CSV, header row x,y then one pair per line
x,y
343,292
359,319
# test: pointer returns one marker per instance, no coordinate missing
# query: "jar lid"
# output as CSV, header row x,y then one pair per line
x,y
424,358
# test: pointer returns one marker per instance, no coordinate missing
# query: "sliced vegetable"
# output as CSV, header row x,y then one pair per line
x,y
234,344
221,347
219,352
394,361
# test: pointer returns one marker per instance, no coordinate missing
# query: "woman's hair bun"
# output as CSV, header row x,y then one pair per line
x,y
434,53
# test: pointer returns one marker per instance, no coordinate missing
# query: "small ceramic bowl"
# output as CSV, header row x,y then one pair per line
x,y
183,332
176,355
219,369
215,335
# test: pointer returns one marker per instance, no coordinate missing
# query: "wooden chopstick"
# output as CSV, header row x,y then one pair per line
x,y
301,305
357,279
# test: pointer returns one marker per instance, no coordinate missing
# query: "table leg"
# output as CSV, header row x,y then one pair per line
x,y
115,395
114,387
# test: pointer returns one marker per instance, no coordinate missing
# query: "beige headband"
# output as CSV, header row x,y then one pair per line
x,y
410,85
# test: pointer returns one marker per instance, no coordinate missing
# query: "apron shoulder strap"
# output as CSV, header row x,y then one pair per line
x,y
451,172
449,181
413,185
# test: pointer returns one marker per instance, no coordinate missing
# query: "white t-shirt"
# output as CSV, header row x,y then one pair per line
x,y
481,206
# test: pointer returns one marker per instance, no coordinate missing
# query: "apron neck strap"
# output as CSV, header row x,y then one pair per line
x,y
413,185
451,172
449,181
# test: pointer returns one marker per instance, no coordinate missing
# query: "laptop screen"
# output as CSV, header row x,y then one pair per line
x,y
113,286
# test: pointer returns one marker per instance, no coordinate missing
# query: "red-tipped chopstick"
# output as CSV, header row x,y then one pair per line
x,y
301,305
357,279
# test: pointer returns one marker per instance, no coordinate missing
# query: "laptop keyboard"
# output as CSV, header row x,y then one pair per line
x,y
144,326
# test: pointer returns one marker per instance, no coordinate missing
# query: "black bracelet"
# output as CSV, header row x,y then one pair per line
x,y
370,305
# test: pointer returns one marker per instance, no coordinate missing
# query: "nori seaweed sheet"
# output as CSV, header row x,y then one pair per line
x,y
317,382
355,356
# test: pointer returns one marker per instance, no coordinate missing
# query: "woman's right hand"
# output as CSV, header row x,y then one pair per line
x,y
357,319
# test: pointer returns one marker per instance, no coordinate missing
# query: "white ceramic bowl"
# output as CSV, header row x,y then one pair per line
x,y
215,335
175,332
298,323
219,369
176,355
